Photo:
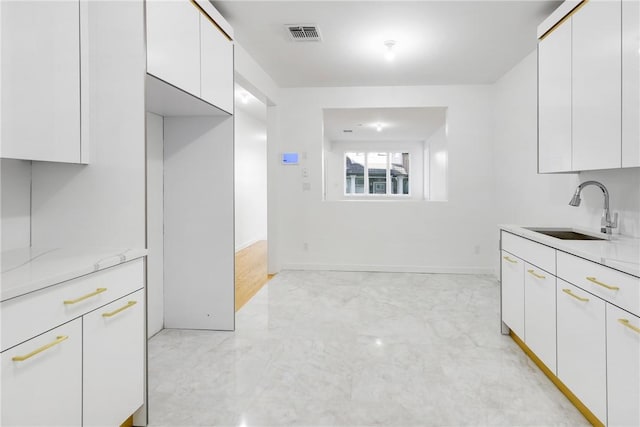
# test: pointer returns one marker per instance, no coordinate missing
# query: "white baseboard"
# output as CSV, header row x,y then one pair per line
x,y
390,268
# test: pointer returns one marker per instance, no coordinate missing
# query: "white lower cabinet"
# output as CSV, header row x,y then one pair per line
x,y
512,293
113,361
581,345
82,361
623,367
540,314
42,379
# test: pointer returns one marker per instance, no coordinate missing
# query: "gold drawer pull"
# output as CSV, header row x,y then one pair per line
x,y
568,292
114,312
626,323
604,285
534,274
58,340
84,297
513,261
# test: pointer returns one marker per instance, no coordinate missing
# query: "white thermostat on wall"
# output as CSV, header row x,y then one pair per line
x,y
289,158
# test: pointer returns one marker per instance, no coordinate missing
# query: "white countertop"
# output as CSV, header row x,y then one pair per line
x,y
27,270
621,252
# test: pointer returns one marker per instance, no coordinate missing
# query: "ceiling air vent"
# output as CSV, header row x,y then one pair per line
x,y
303,32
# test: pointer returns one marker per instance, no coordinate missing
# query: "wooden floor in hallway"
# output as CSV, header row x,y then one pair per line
x,y
251,272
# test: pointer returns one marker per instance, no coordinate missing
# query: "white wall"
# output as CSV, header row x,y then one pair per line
x,y
155,223
198,223
102,204
438,156
384,235
522,196
15,215
250,179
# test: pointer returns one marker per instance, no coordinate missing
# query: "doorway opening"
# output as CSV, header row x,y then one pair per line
x,y
250,164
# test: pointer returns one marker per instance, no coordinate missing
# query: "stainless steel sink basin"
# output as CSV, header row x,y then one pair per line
x,y
565,234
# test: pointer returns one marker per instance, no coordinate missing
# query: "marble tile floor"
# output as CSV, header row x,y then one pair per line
x,y
355,349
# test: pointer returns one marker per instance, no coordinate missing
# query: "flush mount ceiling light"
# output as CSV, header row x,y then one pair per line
x,y
390,53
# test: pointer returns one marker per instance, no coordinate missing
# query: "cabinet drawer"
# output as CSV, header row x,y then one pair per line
x,y
29,315
541,256
618,288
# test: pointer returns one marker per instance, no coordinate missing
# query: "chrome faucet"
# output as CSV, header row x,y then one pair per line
x,y
606,224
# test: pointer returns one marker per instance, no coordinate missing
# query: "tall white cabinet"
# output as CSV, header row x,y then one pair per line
x,y
44,80
190,85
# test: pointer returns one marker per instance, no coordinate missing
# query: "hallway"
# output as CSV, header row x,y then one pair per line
x,y
251,272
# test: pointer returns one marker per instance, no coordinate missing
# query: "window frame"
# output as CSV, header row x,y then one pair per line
x,y
388,182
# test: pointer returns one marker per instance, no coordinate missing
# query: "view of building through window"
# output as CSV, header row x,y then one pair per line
x,y
384,173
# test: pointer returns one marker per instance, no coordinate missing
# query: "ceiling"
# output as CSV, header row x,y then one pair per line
x,y
437,42
396,124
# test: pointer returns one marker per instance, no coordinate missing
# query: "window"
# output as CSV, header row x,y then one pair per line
x,y
376,173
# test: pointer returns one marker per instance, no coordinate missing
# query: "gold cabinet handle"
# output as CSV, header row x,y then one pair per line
x,y
534,274
58,340
84,297
626,323
568,292
604,285
513,261
114,312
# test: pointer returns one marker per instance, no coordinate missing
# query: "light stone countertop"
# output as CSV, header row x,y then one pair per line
x,y
621,252
27,270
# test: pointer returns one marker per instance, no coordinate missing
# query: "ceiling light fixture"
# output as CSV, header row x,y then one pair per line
x,y
244,97
379,127
390,54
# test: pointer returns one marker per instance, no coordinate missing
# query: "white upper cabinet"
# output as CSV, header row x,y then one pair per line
x,y
630,83
173,43
188,49
589,91
217,66
554,101
597,86
41,80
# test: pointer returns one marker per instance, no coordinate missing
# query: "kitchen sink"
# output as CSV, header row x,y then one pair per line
x,y
565,234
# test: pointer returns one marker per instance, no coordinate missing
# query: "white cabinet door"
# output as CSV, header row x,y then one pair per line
x,y
40,80
173,43
623,367
113,362
46,388
597,95
540,314
554,100
630,83
512,293
217,66
582,346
